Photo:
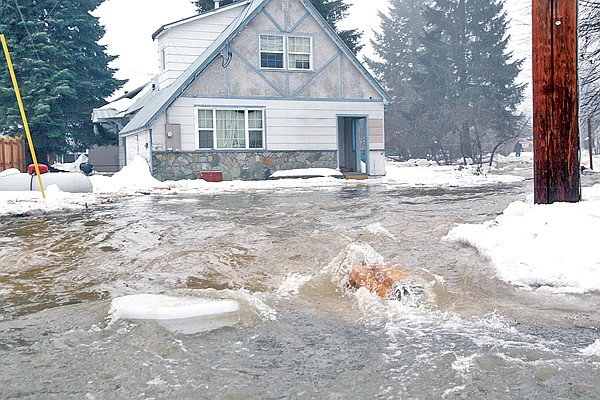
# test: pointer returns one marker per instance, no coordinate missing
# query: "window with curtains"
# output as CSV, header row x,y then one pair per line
x,y
299,52
230,129
281,52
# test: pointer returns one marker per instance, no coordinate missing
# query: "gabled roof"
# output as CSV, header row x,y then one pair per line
x,y
199,16
164,98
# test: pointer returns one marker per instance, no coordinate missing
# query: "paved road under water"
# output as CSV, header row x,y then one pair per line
x,y
302,335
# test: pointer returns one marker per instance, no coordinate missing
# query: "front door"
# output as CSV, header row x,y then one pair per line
x,y
353,146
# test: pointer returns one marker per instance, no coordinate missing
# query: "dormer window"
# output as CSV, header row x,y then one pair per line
x,y
285,52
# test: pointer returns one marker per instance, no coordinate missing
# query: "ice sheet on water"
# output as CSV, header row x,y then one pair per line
x,y
182,314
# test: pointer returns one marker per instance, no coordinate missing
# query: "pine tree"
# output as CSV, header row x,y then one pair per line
x,y
397,47
446,65
62,73
332,10
465,45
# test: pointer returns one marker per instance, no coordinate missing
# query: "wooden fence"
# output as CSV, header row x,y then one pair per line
x,y
12,154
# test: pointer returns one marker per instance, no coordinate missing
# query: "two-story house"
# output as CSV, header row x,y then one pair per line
x,y
254,87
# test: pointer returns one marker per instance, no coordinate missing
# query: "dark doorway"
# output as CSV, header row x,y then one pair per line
x,y
353,145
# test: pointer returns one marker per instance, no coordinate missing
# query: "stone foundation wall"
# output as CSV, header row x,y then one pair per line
x,y
243,165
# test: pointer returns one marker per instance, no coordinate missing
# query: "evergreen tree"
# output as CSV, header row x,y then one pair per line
x,y
397,47
446,65
61,70
332,10
465,45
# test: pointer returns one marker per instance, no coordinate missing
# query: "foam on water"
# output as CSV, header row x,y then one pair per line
x,y
593,349
292,284
378,229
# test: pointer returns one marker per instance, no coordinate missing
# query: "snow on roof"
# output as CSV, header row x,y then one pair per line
x,y
118,105
126,104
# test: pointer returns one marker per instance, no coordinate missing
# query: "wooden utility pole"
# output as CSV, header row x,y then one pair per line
x,y
555,103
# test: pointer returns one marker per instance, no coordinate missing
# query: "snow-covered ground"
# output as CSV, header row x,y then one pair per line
x,y
537,247
542,247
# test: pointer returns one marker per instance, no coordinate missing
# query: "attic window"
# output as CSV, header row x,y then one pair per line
x,y
282,51
299,52
271,51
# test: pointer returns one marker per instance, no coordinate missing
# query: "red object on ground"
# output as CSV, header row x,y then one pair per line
x,y
212,176
31,169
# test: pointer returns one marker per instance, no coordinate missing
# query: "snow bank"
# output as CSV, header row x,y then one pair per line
x,y
307,172
29,202
72,167
547,247
134,176
422,173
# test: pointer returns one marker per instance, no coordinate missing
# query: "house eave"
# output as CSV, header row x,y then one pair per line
x,y
205,14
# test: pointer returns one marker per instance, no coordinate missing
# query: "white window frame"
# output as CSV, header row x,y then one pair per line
x,y
246,128
310,53
283,51
286,52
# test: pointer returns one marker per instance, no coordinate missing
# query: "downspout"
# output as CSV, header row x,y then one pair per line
x,y
151,163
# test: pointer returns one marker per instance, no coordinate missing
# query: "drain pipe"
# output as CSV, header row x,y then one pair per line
x,y
151,153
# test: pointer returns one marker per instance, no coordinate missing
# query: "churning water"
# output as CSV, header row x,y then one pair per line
x,y
284,256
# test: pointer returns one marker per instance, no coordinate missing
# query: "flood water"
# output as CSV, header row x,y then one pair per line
x,y
284,256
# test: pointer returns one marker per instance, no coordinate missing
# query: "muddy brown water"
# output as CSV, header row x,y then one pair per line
x,y
283,255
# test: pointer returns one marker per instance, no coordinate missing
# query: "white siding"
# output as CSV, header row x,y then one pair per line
x,y
136,146
377,163
183,44
290,125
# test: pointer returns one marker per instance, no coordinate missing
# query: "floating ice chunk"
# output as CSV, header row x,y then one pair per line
x,y
178,314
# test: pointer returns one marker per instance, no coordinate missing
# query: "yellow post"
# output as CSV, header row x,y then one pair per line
x,y
25,124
